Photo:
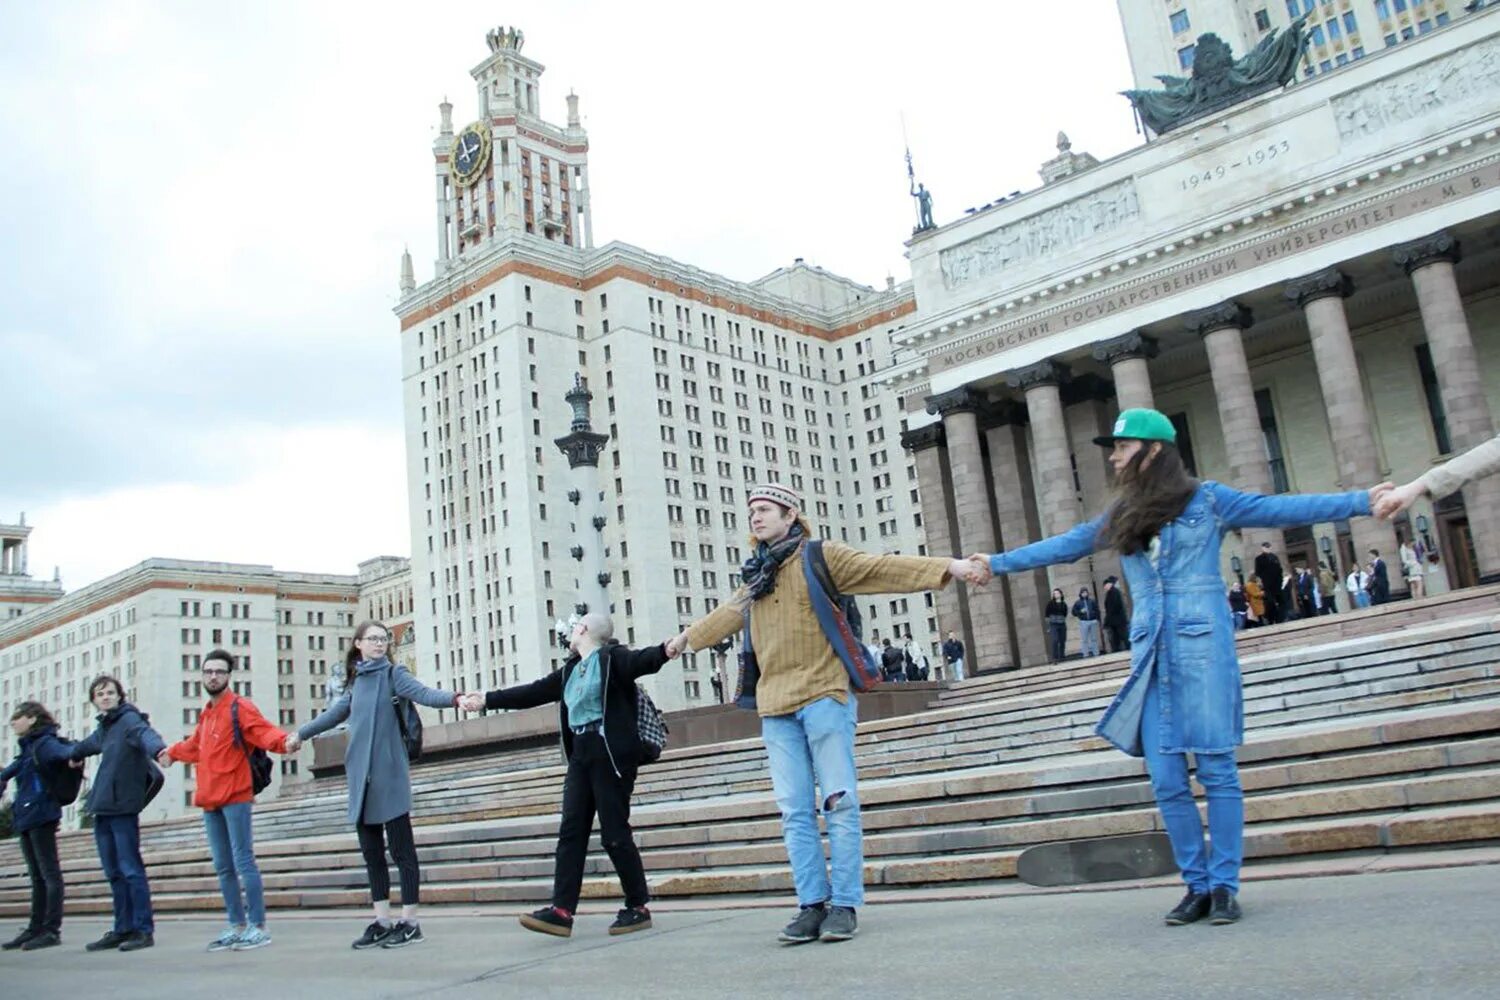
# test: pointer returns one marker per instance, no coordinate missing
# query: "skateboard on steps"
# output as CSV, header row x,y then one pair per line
x,y
1103,859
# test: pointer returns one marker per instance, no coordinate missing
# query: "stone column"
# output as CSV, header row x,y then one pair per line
x,y
1222,328
1089,415
1016,512
1057,493
933,488
1127,357
1321,298
1429,262
989,610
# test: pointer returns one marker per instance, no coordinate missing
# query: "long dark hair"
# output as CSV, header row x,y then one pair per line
x,y
351,658
35,711
1147,497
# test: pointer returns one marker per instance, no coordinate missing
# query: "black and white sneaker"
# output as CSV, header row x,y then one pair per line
x,y
374,936
404,933
806,927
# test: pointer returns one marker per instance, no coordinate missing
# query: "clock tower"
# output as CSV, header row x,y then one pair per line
x,y
508,172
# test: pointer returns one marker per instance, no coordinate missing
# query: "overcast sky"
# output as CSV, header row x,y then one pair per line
x,y
204,207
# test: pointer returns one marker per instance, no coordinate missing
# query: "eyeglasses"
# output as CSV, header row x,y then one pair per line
x,y
215,671
382,639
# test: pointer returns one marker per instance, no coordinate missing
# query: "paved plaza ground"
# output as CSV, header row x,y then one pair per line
x,y
1400,934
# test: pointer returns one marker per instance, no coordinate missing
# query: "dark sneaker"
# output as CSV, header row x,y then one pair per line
x,y
840,925
137,941
549,920
1194,907
806,927
632,918
1226,909
374,936
46,939
19,940
109,942
404,933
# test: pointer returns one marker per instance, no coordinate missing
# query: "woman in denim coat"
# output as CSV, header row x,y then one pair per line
x,y
1183,695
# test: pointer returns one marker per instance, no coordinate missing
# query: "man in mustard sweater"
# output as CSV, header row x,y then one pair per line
x,y
807,710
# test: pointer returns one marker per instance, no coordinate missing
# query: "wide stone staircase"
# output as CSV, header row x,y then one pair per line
x,y
1367,732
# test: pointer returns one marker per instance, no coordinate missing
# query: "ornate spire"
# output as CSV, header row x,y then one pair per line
x,y
408,277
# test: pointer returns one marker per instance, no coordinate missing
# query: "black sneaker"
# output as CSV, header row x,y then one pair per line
x,y
840,925
109,942
549,920
46,939
1226,909
632,918
19,940
806,927
374,936
404,933
137,940
1194,907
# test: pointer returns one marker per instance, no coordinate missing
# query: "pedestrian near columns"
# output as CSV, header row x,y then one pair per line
x,y
378,776
1056,614
803,696
1116,618
125,781
953,657
228,729
1328,588
1183,695
1086,610
595,695
35,814
1268,569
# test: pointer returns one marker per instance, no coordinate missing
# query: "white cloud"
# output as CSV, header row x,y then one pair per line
x,y
318,499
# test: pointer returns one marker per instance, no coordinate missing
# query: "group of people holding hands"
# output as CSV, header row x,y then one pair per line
x,y
800,674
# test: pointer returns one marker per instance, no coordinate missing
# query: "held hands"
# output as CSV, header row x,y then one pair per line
x,y
677,645
1389,502
164,759
471,702
974,570
293,743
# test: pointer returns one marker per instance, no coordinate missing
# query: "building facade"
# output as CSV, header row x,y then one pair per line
x,y
1161,38
151,625
1308,283
19,592
703,384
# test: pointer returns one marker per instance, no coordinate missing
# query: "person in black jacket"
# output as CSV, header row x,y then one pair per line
x,y
1116,620
35,815
596,710
1057,626
1268,568
892,662
126,780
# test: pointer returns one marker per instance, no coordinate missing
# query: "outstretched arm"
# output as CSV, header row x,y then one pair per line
x,y
538,692
408,687
1070,546
330,717
1256,510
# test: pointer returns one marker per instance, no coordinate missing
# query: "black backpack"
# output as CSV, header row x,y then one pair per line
x,y
409,722
260,761
60,781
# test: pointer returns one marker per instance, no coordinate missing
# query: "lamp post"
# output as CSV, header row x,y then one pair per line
x,y
1238,566
1326,544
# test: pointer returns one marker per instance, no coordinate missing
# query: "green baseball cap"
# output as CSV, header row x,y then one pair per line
x,y
1140,425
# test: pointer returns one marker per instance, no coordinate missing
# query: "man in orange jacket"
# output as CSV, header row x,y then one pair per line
x,y
226,796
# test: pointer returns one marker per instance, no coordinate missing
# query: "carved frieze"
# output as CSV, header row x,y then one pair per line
x,y
1470,75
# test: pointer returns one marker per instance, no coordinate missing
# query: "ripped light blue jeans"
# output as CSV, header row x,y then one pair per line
x,y
811,755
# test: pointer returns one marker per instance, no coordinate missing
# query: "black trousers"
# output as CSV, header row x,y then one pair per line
x,y
39,848
1119,637
372,844
591,787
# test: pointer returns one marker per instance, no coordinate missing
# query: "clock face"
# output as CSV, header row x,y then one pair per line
x,y
470,153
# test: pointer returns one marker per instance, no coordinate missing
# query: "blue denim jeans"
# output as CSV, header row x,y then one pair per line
x,y
232,845
1220,777
118,839
814,746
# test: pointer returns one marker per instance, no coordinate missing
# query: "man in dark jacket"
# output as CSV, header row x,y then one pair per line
x,y
1380,579
596,709
35,815
1116,621
1268,568
123,785
892,661
953,657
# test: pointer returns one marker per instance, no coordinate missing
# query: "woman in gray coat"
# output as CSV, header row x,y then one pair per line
x,y
379,779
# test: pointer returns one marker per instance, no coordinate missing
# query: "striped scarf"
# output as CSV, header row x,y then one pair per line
x,y
759,571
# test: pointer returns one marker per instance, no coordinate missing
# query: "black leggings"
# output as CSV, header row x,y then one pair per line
x,y
39,848
372,845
